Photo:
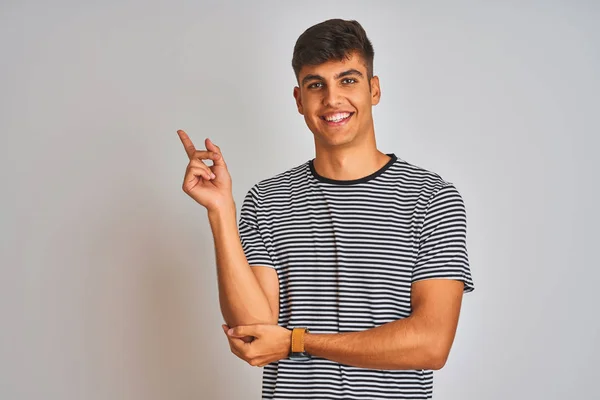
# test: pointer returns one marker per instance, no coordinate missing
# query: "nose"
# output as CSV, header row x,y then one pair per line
x,y
332,97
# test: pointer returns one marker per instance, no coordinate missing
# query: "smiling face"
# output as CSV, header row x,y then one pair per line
x,y
336,99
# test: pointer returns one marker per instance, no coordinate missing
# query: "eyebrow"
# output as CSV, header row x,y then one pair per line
x,y
352,71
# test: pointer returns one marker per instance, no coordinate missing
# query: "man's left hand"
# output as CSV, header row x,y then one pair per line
x,y
271,343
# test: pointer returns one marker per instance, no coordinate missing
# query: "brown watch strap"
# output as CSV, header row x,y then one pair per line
x,y
298,340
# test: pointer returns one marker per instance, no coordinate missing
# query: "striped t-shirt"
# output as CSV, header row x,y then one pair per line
x,y
346,254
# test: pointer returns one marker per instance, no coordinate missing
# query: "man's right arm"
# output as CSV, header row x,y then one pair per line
x,y
247,295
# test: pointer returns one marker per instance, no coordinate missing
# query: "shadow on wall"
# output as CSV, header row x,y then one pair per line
x,y
151,308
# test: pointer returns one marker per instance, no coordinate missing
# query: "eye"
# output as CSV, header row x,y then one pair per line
x,y
314,85
349,80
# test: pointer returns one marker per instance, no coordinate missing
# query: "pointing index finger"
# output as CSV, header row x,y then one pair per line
x,y
187,143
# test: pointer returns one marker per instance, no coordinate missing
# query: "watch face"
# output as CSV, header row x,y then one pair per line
x,y
299,356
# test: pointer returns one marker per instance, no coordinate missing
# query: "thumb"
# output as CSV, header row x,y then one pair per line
x,y
241,331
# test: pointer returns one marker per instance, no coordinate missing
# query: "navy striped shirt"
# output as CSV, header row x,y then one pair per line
x,y
346,254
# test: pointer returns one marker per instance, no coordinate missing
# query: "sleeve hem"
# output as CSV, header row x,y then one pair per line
x,y
468,283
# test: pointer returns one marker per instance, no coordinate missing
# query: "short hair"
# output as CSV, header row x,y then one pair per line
x,y
334,39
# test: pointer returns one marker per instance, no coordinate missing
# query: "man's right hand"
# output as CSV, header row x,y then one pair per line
x,y
209,186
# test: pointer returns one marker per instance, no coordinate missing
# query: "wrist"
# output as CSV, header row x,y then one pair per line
x,y
297,344
222,212
310,343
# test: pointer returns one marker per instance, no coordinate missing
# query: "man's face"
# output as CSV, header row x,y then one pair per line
x,y
336,100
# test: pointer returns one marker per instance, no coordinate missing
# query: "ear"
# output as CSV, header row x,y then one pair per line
x,y
375,91
298,98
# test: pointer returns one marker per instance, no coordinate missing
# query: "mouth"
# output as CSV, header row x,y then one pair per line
x,y
337,119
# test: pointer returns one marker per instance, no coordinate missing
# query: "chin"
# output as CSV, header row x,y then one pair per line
x,y
336,141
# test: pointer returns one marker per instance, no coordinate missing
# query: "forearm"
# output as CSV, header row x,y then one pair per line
x,y
404,344
241,297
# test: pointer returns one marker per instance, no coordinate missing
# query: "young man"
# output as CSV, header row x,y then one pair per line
x,y
348,278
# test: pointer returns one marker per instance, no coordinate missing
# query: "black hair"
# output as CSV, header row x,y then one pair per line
x,y
334,39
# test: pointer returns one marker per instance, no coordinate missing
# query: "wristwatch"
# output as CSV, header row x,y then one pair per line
x,y
297,351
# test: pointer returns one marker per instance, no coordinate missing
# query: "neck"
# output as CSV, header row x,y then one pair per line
x,y
349,163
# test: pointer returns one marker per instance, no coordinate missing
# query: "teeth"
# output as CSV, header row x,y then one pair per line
x,y
337,117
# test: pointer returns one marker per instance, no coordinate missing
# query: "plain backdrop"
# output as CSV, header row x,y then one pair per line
x,y
108,284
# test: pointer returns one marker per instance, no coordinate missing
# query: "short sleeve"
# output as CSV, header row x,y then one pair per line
x,y
442,242
250,235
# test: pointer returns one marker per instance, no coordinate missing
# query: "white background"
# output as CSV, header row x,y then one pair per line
x,y
108,286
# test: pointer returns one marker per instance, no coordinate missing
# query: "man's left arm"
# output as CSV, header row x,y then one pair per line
x,y
420,341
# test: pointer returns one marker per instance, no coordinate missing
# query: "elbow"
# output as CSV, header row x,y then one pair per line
x,y
437,355
437,363
233,319
267,317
